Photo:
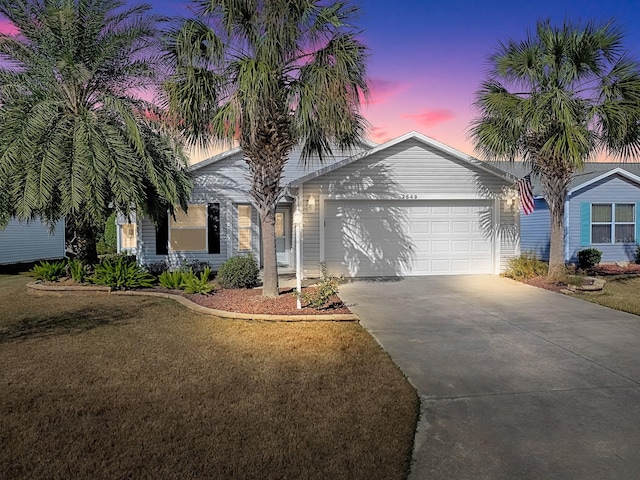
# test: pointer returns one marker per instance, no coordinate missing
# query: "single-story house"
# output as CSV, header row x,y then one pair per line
x,y
602,211
410,206
22,242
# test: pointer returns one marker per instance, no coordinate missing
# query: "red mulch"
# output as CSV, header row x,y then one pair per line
x,y
544,282
252,301
602,270
613,269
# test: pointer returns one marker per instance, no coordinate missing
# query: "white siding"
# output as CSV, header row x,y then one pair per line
x,y
408,237
225,181
407,170
27,242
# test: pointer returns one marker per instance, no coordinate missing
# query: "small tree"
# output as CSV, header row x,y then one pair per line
x,y
75,139
555,100
269,75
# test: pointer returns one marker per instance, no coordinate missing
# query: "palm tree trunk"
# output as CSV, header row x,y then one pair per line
x,y
556,250
269,259
556,185
266,153
83,239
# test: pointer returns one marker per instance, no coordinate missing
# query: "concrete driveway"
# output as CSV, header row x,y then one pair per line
x,y
515,382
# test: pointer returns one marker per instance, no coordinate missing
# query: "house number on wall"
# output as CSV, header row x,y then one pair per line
x,y
409,197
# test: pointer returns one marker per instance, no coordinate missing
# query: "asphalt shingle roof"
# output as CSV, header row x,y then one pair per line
x,y
591,170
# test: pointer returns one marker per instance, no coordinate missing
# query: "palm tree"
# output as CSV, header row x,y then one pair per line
x,y
75,140
268,75
556,100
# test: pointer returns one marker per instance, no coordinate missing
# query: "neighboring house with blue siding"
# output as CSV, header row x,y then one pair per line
x,y
602,211
22,242
535,230
411,206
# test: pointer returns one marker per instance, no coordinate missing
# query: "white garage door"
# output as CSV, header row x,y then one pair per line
x,y
407,237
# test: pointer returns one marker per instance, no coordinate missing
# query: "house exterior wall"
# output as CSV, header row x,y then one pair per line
x,y
226,182
27,242
535,230
405,171
613,189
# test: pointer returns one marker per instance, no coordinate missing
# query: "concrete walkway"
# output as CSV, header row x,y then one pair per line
x,y
515,382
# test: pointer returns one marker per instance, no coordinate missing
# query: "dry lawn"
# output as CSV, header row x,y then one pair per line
x,y
620,293
105,387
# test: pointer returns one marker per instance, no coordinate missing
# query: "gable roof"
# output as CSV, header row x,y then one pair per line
x,y
216,158
228,153
591,173
409,136
616,171
294,168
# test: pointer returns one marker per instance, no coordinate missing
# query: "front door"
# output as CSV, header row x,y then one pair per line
x,y
283,242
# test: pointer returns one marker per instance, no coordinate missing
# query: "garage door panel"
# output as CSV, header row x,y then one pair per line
x,y
461,227
440,210
481,247
415,237
440,227
442,266
461,246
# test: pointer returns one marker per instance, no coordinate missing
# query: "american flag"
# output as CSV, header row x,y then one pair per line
x,y
526,194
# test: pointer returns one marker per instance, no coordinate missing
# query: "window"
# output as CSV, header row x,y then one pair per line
x,y
279,227
244,227
128,236
188,232
613,223
198,230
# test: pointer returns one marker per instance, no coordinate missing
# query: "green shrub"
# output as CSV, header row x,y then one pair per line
x,y
239,272
589,258
637,255
319,296
525,266
77,270
172,280
195,266
157,268
193,283
120,272
103,249
48,271
110,235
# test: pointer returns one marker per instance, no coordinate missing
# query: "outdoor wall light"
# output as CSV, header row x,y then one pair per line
x,y
510,196
311,204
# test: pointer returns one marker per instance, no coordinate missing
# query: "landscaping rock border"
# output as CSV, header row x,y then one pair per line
x,y
62,289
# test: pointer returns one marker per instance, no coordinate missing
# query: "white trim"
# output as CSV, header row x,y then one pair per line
x,y
616,171
565,230
119,236
216,158
409,136
321,201
300,205
495,224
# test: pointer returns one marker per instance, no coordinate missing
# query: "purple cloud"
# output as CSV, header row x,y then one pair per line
x,y
430,118
383,89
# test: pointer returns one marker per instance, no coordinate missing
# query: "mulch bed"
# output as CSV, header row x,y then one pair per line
x,y
602,270
247,300
613,269
546,283
252,301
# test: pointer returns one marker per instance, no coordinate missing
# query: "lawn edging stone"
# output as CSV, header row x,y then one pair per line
x,y
46,288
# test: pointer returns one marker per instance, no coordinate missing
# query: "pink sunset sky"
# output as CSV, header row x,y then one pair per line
x,y
429,57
